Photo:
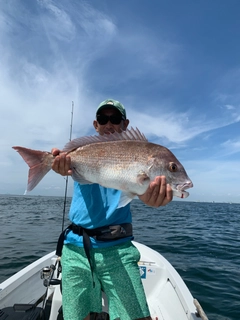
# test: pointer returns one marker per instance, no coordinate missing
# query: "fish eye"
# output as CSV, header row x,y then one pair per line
x,y
172,167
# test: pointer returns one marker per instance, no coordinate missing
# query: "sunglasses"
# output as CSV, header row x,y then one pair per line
x,y
114,119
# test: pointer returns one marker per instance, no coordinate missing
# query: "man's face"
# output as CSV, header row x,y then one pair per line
x,y
110,127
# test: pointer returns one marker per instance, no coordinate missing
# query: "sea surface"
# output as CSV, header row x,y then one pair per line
x,y
201,240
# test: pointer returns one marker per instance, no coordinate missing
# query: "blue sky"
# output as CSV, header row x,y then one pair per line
x,y
173,64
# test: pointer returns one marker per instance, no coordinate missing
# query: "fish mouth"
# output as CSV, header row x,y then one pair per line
x,y
179,190
186,185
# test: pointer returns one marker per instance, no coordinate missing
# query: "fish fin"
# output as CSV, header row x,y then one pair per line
x,y
83,181
126,198
129,134
143,178
39,162
80,179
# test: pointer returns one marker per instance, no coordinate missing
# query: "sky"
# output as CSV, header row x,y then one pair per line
x,y
173,64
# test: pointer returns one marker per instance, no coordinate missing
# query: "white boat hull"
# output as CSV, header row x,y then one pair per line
x,y
167,294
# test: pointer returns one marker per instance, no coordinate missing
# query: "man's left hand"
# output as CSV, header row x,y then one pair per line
x,y
159,193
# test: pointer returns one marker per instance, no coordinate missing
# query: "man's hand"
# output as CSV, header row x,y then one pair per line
x,y
62,163
158,193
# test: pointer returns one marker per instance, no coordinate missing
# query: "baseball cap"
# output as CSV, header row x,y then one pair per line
x,y
110,103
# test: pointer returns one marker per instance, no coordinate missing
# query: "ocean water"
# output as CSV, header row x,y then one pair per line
x,y
201,240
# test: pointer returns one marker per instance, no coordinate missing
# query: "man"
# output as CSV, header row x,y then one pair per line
x,y
109,266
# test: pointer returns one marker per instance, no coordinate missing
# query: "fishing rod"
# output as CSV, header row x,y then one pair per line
x,y
66,185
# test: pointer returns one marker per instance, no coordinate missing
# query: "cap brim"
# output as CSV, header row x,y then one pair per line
x,y
109,106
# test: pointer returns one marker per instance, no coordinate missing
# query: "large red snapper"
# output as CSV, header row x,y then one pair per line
x,y
125,161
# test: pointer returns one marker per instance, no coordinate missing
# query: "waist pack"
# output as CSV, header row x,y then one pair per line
x,y
108,233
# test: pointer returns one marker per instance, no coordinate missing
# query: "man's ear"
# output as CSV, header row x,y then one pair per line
x,y
95,124
125,124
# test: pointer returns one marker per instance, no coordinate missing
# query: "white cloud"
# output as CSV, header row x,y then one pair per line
x,y
57,21
229,107
231,147
176,126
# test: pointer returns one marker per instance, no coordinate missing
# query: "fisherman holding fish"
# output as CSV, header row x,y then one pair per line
x,y
95,206
96,250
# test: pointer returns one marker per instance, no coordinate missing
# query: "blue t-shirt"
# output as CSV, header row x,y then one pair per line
x,y
94,206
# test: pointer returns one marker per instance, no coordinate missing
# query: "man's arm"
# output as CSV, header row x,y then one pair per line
x,y
159,193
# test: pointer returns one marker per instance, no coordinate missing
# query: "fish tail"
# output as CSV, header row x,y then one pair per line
x,y
39,162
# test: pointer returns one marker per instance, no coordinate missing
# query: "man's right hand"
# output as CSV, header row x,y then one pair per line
x,y
62,163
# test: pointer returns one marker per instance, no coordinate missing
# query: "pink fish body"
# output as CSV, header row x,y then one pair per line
x,y
125,161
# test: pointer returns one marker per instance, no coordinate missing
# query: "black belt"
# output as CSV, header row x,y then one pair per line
x,y
108,233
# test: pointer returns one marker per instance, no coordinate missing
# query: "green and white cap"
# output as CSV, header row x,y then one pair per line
x,y
110,103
